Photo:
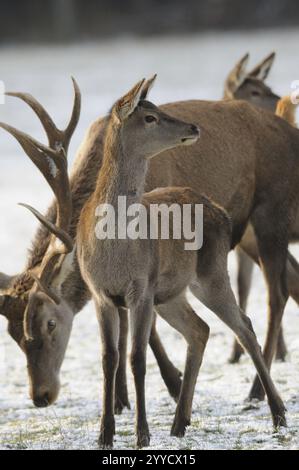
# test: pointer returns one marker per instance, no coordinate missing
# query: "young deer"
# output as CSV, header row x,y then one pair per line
x,y
143,274
250,86
139,274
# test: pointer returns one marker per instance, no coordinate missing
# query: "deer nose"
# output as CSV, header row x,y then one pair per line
x,y
41,401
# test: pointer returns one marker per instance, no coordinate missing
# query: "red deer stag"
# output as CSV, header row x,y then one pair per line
x,y
44,357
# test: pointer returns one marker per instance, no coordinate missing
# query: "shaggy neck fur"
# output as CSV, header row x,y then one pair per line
x,y
83,181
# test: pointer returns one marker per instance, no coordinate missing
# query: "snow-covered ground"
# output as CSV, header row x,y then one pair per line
x,y
187,67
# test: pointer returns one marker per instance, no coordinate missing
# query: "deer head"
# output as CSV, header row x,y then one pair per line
x,y
250,86
38,318
144,129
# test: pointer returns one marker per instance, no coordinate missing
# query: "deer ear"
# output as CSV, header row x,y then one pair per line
x,y
129,102
148,85
261,71
236,77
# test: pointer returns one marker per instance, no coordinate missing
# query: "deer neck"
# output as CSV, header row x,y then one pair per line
x,y
69,285
73,288
121,174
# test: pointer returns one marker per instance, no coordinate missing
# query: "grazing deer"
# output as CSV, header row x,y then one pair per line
x,y
44,357
144,273
250,86
232,164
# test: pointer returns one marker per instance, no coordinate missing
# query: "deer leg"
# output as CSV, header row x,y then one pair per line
x,y
293,287
249,245
245,269
121,388
141,319
214,290
179,314
281,350
109,326
293,277
273,255
170,374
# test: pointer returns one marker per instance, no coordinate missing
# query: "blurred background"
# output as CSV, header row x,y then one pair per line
x,y
66,20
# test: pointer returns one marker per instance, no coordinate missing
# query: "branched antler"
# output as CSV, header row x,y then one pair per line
x,y
52,162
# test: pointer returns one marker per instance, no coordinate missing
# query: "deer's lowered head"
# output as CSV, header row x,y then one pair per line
x,y
243,85
39,319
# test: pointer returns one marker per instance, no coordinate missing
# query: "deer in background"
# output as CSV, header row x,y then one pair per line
x,y
144,273
250,86
232,164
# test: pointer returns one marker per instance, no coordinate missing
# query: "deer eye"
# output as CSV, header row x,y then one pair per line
x,y
51,325
150,118
255,93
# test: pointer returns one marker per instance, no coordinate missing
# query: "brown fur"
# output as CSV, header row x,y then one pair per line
x,y
220,165
250,86
287,110
156,272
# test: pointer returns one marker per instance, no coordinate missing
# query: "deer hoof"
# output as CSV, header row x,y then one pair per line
x,y
235,356
279,420
174,385
281,356
278,415
179,427
143,439
106,434
120,405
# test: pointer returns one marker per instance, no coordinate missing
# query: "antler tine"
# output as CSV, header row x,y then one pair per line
x,y
63,236
52,164
32,147
68,132
51,161
56,137
45,119
46,290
